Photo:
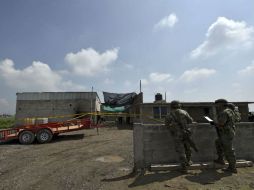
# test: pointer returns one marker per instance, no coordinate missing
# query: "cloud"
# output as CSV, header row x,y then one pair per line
x,y
196,74
156,78
88,62
4,106
190,91
127,83
160,77
128,66
144,82
108,81
167,22
225,34
249,70
4,102
236,85
36,77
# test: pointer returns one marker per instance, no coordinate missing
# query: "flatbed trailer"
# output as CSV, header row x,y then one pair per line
x,y
43,133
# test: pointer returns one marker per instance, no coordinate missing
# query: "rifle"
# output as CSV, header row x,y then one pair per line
x,y
190,140
186,134
213,124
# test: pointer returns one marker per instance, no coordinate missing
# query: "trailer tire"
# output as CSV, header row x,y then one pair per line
x,y
44,136
26,137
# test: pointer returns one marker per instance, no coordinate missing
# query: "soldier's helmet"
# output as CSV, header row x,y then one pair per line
x,y
175,104
221,101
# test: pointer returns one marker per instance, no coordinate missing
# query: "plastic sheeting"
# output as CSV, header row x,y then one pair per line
x,y
117,100
114,109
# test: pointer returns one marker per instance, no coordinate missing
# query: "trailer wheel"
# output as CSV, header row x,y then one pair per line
x,y
44,136
26,137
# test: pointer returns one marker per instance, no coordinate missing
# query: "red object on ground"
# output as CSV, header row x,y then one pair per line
x,y
44,132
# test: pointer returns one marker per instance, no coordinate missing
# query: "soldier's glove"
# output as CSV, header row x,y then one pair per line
x,y
212,122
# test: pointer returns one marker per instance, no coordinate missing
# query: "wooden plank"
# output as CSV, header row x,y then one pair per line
x,y
62,128
199,166
74,127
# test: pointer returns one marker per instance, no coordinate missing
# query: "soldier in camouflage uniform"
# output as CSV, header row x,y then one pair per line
x,y
226,132
177,122
236,112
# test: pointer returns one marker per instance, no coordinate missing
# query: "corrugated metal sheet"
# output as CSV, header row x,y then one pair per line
x,y
55,95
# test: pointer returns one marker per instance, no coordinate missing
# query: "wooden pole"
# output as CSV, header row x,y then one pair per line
x,y
91,107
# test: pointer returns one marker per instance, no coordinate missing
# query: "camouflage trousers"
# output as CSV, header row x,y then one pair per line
x,y
183,149
224,147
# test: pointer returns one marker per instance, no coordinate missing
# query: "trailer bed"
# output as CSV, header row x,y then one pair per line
x,y
43,131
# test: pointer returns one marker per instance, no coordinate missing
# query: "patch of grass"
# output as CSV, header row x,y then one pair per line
x,y
7,122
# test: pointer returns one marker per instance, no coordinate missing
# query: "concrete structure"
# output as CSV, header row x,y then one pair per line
x,y
153,144
126,118
156,112
52,104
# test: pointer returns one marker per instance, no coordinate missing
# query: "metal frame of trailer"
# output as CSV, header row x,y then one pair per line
x,y
44,133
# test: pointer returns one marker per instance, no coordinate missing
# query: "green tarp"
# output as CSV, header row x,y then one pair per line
x,y
115,109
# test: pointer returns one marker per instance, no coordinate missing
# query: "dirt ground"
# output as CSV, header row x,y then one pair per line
x,y
85,160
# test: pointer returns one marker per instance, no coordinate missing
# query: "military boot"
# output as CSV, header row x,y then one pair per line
x,y
188,159
219,160
183,169
189,163
230,169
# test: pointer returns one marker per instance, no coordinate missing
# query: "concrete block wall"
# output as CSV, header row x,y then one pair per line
x,y
153,144
195,109
49,108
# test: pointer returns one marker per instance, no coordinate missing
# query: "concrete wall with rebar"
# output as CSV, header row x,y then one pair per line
x,y
153,144
51,105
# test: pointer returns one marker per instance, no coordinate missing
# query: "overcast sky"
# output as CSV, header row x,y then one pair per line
x,y
193,50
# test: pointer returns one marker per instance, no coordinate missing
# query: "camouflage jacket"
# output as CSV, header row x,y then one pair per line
x,y
178,121
237,115
226,120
